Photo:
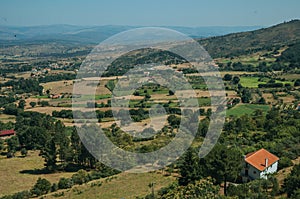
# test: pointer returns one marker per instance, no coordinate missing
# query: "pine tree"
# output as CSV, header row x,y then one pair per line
x,y
62,142
224,164
49,154
189,169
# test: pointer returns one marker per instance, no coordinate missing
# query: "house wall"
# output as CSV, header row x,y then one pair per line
x,y
253,173
271,169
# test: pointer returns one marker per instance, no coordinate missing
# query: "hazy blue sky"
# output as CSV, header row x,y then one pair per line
x,y
148,12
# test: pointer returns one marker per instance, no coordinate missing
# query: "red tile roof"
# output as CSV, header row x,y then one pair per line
x,y
7,133
258,159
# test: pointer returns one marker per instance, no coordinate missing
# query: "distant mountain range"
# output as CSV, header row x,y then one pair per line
x,y
96,34
67,40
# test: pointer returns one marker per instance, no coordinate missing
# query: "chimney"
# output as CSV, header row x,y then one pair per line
x,y
266,162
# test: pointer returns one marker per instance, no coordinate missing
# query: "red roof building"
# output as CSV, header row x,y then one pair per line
x,y
7,133
259,164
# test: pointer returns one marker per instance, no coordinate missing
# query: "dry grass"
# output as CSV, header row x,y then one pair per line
x,y
268,97
7,118
15,173
58,87
232,94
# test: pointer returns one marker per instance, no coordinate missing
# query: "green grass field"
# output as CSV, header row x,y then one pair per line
x,y
244,109
253,82
250,82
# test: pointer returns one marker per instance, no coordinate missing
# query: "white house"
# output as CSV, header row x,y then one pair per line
x,y
259,164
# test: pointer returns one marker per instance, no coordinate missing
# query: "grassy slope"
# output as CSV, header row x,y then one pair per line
x,y
124,185
16,173
279,35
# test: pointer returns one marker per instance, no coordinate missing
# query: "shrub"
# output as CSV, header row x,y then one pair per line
x,y
80,177
42,186
65,183
284,162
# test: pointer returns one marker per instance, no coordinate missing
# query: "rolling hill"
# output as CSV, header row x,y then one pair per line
x,y
283,34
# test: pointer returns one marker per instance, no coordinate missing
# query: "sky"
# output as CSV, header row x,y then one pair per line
x,y
192,13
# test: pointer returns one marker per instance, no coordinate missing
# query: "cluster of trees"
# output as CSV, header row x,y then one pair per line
x,y
6,100
143,56
292,183
57,77
291,55
272,85
41,132
13,68
259,130
260,188
136,114
199,189
277,131
279,65
24,86
223,164
234,79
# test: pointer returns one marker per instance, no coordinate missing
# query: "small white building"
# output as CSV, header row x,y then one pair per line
x,y
259,164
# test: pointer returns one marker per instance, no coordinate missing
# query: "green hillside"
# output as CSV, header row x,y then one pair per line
x,y
249,42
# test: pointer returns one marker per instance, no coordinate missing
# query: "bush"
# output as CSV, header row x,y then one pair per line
x,y
23,152
65,183
54,187
19,195
284,162
42,186
80,177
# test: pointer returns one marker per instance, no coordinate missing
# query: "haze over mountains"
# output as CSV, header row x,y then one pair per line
x,y
96,34
66,40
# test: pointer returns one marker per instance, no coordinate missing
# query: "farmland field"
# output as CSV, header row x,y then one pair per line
x,y
253,82
249,109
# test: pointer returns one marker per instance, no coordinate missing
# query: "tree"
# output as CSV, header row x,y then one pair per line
x,y
32,104
49,154
262,101
23,152
189,168
13,144
224,164
42,186
292,182
33,137
65,183
246,96
174,120
44,103
235,80
1,144
171,92
75,145
62,141
22,104
227,77
80,177
297,82
11,109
